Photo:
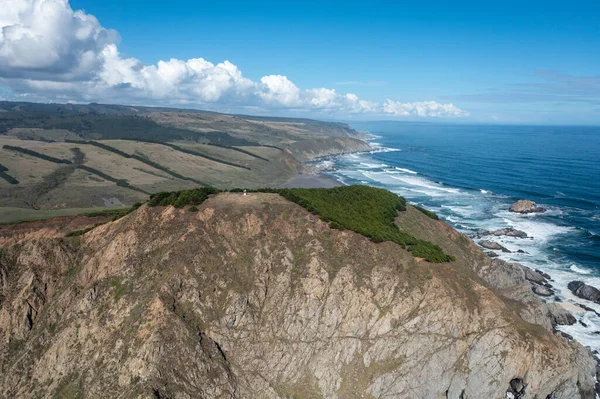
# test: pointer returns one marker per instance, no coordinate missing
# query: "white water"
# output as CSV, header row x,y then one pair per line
x,y
471,211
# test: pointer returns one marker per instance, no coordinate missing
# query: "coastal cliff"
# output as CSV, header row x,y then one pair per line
x,y
254,297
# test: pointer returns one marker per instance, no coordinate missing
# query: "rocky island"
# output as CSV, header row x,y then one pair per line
x,y
526,206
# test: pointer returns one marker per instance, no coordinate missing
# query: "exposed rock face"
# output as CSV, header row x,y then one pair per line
x,y
493,245
542,291
584,291
526,206
253,297
509,232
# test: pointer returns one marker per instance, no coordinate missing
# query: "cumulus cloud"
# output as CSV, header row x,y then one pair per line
x,y
49,50
430,109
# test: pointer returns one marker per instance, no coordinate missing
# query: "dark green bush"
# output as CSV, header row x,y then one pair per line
x,y
199,154
118,182
193,208
6,176
429,214
242,151
365,210
180,199
36,154
81,232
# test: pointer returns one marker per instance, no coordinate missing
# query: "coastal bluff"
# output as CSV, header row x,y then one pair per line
x,y
253,296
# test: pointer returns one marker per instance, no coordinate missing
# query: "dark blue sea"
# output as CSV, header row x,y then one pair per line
x,y
471,174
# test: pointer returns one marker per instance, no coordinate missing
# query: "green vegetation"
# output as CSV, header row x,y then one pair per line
x,y
242,151
365,210
199,154
78,156
36,154
120,289
118,182
107,126
49,182
138,158
429,214
100,145
78,233
193,208
180,199
116,213
6,176
166,170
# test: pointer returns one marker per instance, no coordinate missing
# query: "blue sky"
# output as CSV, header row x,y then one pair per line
x,y
512,62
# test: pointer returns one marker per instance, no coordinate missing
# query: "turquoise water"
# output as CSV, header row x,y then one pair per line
x,y
470,175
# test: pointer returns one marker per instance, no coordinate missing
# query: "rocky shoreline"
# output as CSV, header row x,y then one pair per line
x,y
539,282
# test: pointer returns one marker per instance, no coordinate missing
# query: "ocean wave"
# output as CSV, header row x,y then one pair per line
x,y
374,165
412,172
383,149
471,210
579,270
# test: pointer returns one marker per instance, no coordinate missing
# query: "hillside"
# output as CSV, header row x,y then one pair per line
x,y
255,297
62,156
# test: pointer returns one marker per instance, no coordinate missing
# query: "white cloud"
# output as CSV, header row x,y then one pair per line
x,y
46,39
47,50
429,109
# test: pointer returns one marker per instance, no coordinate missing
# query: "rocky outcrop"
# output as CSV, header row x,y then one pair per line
x,y
526,206
253,297
509,232
582,290
493,245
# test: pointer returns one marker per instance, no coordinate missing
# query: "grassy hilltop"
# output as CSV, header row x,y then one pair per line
x,y
55,157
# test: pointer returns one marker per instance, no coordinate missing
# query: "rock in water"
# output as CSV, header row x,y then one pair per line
x,y
526,206
509,232
493,245
582,290
541,290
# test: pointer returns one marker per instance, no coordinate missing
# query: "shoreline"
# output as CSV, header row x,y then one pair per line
x,y
576,306
317,180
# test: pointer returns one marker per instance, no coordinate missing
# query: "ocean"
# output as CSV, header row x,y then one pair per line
x,y
470,175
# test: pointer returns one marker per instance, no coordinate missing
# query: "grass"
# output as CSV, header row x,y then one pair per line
x,y
124,183
78,233
120,289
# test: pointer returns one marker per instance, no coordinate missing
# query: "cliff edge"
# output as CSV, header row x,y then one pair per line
x,y
254,297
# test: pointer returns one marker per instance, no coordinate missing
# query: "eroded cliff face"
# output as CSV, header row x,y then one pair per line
x,y
253,297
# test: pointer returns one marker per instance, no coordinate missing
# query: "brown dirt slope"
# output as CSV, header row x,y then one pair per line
x,y
253,297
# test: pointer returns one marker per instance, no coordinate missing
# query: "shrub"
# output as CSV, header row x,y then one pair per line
x,y
8,177
365,210
429,214
193,208
180,199
36,154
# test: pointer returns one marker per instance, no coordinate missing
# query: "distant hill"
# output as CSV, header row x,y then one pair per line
x,y
126,153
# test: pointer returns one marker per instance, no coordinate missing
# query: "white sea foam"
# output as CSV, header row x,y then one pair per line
x,y
373,165
539,230
383,149
473,211
412,172
579,270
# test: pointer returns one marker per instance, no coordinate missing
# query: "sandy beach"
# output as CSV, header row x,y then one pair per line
x,y
319,180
